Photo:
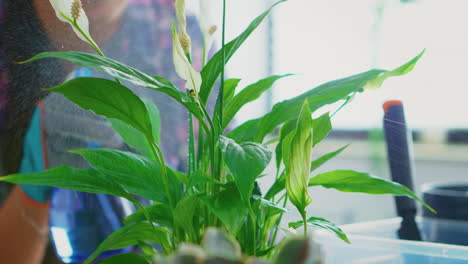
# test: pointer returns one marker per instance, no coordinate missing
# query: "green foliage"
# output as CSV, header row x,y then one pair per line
x,y
130,235
245,161
129,258
107,98
328,93
324,224
352,181
220,188
213,68
297,149
158,213
228,206
246,95
323,159
132,171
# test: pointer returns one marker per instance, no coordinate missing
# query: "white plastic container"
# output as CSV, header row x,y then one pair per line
x,y
377,243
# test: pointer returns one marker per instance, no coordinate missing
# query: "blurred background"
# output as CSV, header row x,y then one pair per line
x,y
325,40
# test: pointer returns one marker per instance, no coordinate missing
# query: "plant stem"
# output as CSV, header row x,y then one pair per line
x,y
88,38
304,218
275,233
254,224
191,151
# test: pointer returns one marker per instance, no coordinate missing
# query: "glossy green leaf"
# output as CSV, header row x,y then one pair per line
x,y
186,209
107,98
130,170
285,129
358,182
323,159
128,258
245,161
123,72
158,212
403,69
256,129
324,224
321,126
297,148
134,138
228,206
213,68
269,208
278,186
83,180
130,235
246,95
230,86
155,119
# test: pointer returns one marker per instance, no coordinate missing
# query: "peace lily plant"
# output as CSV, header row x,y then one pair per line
x,y
220,187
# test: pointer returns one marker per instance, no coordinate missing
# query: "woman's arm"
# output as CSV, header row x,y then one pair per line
x,y
24,229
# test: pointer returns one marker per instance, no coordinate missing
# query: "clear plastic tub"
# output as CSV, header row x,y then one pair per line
x,y
377,243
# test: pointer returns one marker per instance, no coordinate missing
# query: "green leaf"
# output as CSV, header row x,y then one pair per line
x,y
324,224
285,129
158,212
270,209
403,69
297,148
246,95
230,86
279,184
123,72
293,250
256,129
245,161
107,98
228,206
130,235
184,213
323,159
128,258
134,138
135,173
277,187
321,126
358,182
83,180
213,68
155,119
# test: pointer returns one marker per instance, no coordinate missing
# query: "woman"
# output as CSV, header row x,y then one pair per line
x,y
30,27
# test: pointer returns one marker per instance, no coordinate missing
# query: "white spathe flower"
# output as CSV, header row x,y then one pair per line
x,y
181,15
208,20
182,65
69,10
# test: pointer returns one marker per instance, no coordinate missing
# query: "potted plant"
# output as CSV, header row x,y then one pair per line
x,y
220,187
